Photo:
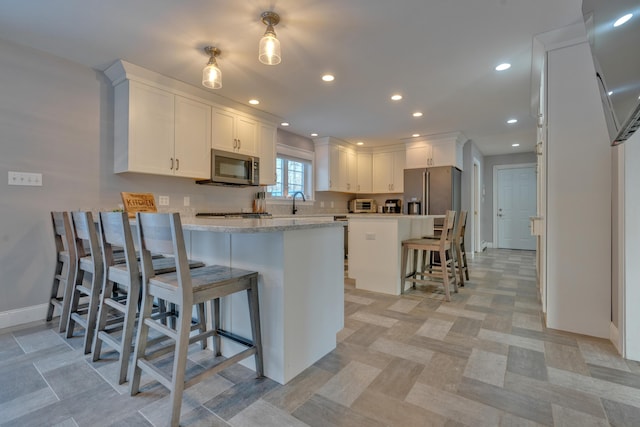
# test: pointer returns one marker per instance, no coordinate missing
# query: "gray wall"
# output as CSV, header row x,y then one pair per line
x,y
486,218
56,118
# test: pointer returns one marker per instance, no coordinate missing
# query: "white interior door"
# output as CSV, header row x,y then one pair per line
x,y
515,204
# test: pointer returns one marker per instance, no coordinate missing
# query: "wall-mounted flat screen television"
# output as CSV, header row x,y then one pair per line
x,y
613,27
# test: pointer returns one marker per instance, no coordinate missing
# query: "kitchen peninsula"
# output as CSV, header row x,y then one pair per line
x,y
301,284
375,242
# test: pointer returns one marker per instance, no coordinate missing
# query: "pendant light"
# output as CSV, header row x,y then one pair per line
x,y
211,74
269,51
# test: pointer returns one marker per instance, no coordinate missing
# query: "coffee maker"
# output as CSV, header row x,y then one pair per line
x,y
392,206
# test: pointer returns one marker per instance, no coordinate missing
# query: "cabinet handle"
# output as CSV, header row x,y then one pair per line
x,y
171,164
177,164
235,143
239,144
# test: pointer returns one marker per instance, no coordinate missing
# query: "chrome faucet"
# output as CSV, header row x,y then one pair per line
x,y
294,210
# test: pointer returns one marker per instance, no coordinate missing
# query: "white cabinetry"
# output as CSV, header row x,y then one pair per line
x,y
364,174
160,133
234,132
388,172
267,144
436,150
335,166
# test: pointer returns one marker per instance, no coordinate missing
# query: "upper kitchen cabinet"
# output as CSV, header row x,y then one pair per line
x,y
267,144
364,164
160,133
388,171
335,165
436,150
234,132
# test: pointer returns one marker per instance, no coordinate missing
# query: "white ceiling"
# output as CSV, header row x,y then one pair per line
x,y
440,54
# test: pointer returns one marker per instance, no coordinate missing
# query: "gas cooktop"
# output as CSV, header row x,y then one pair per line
x,y
234,214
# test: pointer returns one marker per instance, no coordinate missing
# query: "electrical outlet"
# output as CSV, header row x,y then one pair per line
x,y
163,200
370,236
332,204
25,178
322,204
187,201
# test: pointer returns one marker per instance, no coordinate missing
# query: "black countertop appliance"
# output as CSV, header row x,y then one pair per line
x,y
392,206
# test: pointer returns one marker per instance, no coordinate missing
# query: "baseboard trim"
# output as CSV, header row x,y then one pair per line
x,y
614,336
23,315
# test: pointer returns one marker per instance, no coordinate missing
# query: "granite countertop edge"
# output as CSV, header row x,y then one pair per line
x,y
256,225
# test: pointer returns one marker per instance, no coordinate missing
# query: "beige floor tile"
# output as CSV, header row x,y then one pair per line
x,y
347,385
435,328
486,367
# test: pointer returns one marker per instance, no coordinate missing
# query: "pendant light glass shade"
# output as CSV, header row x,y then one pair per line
x,y
269,49
211,74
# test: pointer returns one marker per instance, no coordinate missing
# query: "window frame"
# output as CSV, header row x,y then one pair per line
x,y
294,153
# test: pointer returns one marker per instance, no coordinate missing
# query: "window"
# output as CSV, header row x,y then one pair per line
x,y
294,170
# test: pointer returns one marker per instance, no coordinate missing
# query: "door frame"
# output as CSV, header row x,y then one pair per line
x,y
476,196
496,168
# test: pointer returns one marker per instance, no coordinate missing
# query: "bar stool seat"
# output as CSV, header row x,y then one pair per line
x,y
443,245
186,288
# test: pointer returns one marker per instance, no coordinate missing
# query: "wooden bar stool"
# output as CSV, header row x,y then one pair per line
x,y
65,268
443,245
117,314
458,243
186,288
88,278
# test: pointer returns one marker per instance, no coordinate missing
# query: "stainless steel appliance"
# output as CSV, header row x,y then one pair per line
x,y
392,206
362,206
414,208
229,168
436,189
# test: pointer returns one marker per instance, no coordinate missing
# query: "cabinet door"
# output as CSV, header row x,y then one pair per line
x,y
382,172
151,130
418,156
192,138
365,176
337,168
223,130
267,144
352,171
445,154
399,160
246,135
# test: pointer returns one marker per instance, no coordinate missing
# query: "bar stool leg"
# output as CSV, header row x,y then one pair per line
x,y
217,341
254,314
403,268
141,344
445,274
180,364
127,331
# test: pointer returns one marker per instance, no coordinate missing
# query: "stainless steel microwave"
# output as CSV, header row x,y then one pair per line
x,y
229,168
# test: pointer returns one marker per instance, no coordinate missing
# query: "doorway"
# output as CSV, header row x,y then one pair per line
x,y
514,203
477,194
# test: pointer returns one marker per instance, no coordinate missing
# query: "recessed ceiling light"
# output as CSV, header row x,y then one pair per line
x,y
417,114
512,121
503,66
284,124
328,78
254,102
314,134
359,143
396,97
415,135
515,145
623,19
610,93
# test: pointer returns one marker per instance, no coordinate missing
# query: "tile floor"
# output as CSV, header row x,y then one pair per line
x,y
484,359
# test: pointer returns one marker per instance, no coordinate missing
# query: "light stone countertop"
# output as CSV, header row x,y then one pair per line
x,y
256,225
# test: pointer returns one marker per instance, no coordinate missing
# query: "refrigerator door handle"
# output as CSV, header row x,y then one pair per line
x,y
425,191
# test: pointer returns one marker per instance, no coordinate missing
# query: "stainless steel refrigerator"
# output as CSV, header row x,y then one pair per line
x,y
437,189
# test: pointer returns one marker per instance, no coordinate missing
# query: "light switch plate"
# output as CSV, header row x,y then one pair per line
x,y
187,201
163,200
25,178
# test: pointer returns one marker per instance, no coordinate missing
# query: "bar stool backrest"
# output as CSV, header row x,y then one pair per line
x,y
447,228
86,236
460,225
162,233
63,233
115,231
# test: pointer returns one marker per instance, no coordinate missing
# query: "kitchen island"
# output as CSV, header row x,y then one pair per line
x,y
301,284
375,243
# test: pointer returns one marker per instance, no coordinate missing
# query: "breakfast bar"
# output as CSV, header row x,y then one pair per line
x,y
301,278
375,241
